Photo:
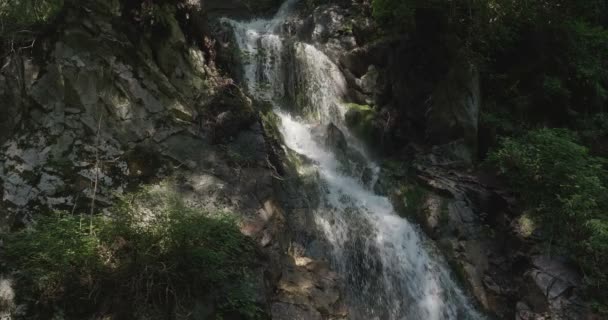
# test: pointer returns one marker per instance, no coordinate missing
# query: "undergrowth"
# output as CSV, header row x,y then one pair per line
x,y
151,255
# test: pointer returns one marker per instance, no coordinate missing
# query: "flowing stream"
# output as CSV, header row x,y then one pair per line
x,y
390,270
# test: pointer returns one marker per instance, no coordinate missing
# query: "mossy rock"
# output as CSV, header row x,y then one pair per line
x,y
362,120
271,123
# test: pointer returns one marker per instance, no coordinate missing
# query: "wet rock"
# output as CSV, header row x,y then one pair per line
x,y
309,284
335,139
365,122
369,81
330,32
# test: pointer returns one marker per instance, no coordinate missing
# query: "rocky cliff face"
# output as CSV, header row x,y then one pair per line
x,y
105,108
93,107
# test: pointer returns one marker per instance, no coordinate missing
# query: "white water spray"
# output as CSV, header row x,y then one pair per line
x,y
390,270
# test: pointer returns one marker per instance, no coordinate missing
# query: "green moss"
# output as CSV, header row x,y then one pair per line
x,y
413,197
295,161
361,119
410,200
271,124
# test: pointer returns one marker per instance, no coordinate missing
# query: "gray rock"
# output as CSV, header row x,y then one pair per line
x,y
335,139
554,288
369,81
7,297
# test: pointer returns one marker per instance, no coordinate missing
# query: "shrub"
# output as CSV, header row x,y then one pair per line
x,y
21,20
153,253
565,189
393,14
18,14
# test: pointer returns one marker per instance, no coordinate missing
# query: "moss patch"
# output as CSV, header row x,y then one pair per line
x,y
361,120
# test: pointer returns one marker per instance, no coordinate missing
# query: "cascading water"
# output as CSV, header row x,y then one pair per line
x,y
390,270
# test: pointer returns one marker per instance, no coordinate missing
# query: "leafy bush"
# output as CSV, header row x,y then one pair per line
x,y
154,253
18,14
565,189
393,14
21,20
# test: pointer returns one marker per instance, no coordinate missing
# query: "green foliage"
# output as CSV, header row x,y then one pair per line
x,y
58,257
393,14
543,60
565,189
362,120
153,253
502,122
22,20
271,123
594,128
17,15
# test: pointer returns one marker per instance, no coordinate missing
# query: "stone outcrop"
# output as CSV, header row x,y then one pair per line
x,y
335,139
98,96
471,221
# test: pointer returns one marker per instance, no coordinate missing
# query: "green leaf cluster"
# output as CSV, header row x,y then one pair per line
x,y
20,15
565,189
396,15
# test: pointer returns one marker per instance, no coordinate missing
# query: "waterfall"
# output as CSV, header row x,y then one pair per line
x,y
389,269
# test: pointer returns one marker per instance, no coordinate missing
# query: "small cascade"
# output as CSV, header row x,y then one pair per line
x,y
389,269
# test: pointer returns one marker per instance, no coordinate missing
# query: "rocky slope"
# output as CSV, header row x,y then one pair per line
x,y
102,108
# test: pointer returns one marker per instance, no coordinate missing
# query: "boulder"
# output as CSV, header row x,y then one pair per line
x,y
554,286
364,122
370,80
